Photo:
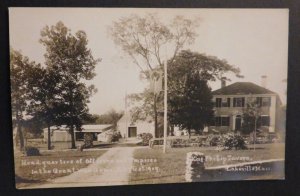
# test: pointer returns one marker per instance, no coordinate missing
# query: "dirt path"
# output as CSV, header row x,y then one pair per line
x,y
112,168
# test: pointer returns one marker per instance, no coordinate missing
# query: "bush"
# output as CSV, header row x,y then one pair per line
x,y
230,141
146,137
32,151
116,136
88,140
213,140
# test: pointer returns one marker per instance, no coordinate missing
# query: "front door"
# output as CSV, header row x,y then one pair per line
x,y
132,131
238,123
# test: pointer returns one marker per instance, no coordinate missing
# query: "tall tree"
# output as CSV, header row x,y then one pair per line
x,y
74,64
19,67
146,39
193,109
190,97
44,99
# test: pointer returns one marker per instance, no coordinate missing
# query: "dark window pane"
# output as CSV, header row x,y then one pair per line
x,y
218,102
258,101
265,120
239,102
225,121
266,101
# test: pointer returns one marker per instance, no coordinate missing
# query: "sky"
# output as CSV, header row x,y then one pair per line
x,y
255,40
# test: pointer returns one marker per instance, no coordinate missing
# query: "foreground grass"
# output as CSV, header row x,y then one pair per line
x,y
49,165
172,164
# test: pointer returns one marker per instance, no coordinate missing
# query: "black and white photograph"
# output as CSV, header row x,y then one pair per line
x,y
131,96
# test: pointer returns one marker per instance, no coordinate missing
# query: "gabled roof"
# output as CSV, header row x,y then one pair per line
x,y
242,88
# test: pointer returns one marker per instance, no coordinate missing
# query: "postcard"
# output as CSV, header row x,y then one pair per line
x,y
129,96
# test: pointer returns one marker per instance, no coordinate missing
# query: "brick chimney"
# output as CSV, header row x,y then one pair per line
x,y
223,82
264,81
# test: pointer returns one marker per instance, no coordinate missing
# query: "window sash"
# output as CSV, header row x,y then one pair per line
x,y
263,101
239,102
222,121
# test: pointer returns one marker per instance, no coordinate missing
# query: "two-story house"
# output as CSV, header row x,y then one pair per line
x,y
230,103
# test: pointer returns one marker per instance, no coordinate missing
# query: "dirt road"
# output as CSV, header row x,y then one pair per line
x,y
112,168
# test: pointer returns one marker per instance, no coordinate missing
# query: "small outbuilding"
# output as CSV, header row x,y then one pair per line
x,y
130,129
61,133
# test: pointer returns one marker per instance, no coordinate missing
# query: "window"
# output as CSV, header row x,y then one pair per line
x,y
263,101
218,121
226,102
266,101
264,120
259,101
225,121
222,102
218,102
239,102
222,121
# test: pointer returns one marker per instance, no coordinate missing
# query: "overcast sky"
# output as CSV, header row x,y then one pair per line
x,y
255,40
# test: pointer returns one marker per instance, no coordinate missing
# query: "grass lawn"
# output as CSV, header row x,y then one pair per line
x,y
172,164
49,165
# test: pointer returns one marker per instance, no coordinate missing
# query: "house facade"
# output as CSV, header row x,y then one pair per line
x,y
230,103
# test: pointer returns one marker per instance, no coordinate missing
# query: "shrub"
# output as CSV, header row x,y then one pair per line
x,y
116,136
230,141
213,140
146,137
32,151
88,140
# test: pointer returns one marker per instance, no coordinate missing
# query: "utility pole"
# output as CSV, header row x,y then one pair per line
x,y
165,106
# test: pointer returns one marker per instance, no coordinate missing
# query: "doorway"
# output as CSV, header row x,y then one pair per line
x,y
132,131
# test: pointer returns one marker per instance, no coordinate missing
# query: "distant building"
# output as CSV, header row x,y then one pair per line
x,y
61,133
230,103
128,128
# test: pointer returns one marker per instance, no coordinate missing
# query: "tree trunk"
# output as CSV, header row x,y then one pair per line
x,y
254,134
155,118
49,138
72,137
21,136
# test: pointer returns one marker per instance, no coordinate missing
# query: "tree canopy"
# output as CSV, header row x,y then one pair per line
x,y
149,43
145,39
20,67
193,108
73,63
189,97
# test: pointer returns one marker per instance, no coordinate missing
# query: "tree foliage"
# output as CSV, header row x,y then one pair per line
x,y
73,63
44,100
149,43
210,68
145,39
20,67
110,117
192,109
190,99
